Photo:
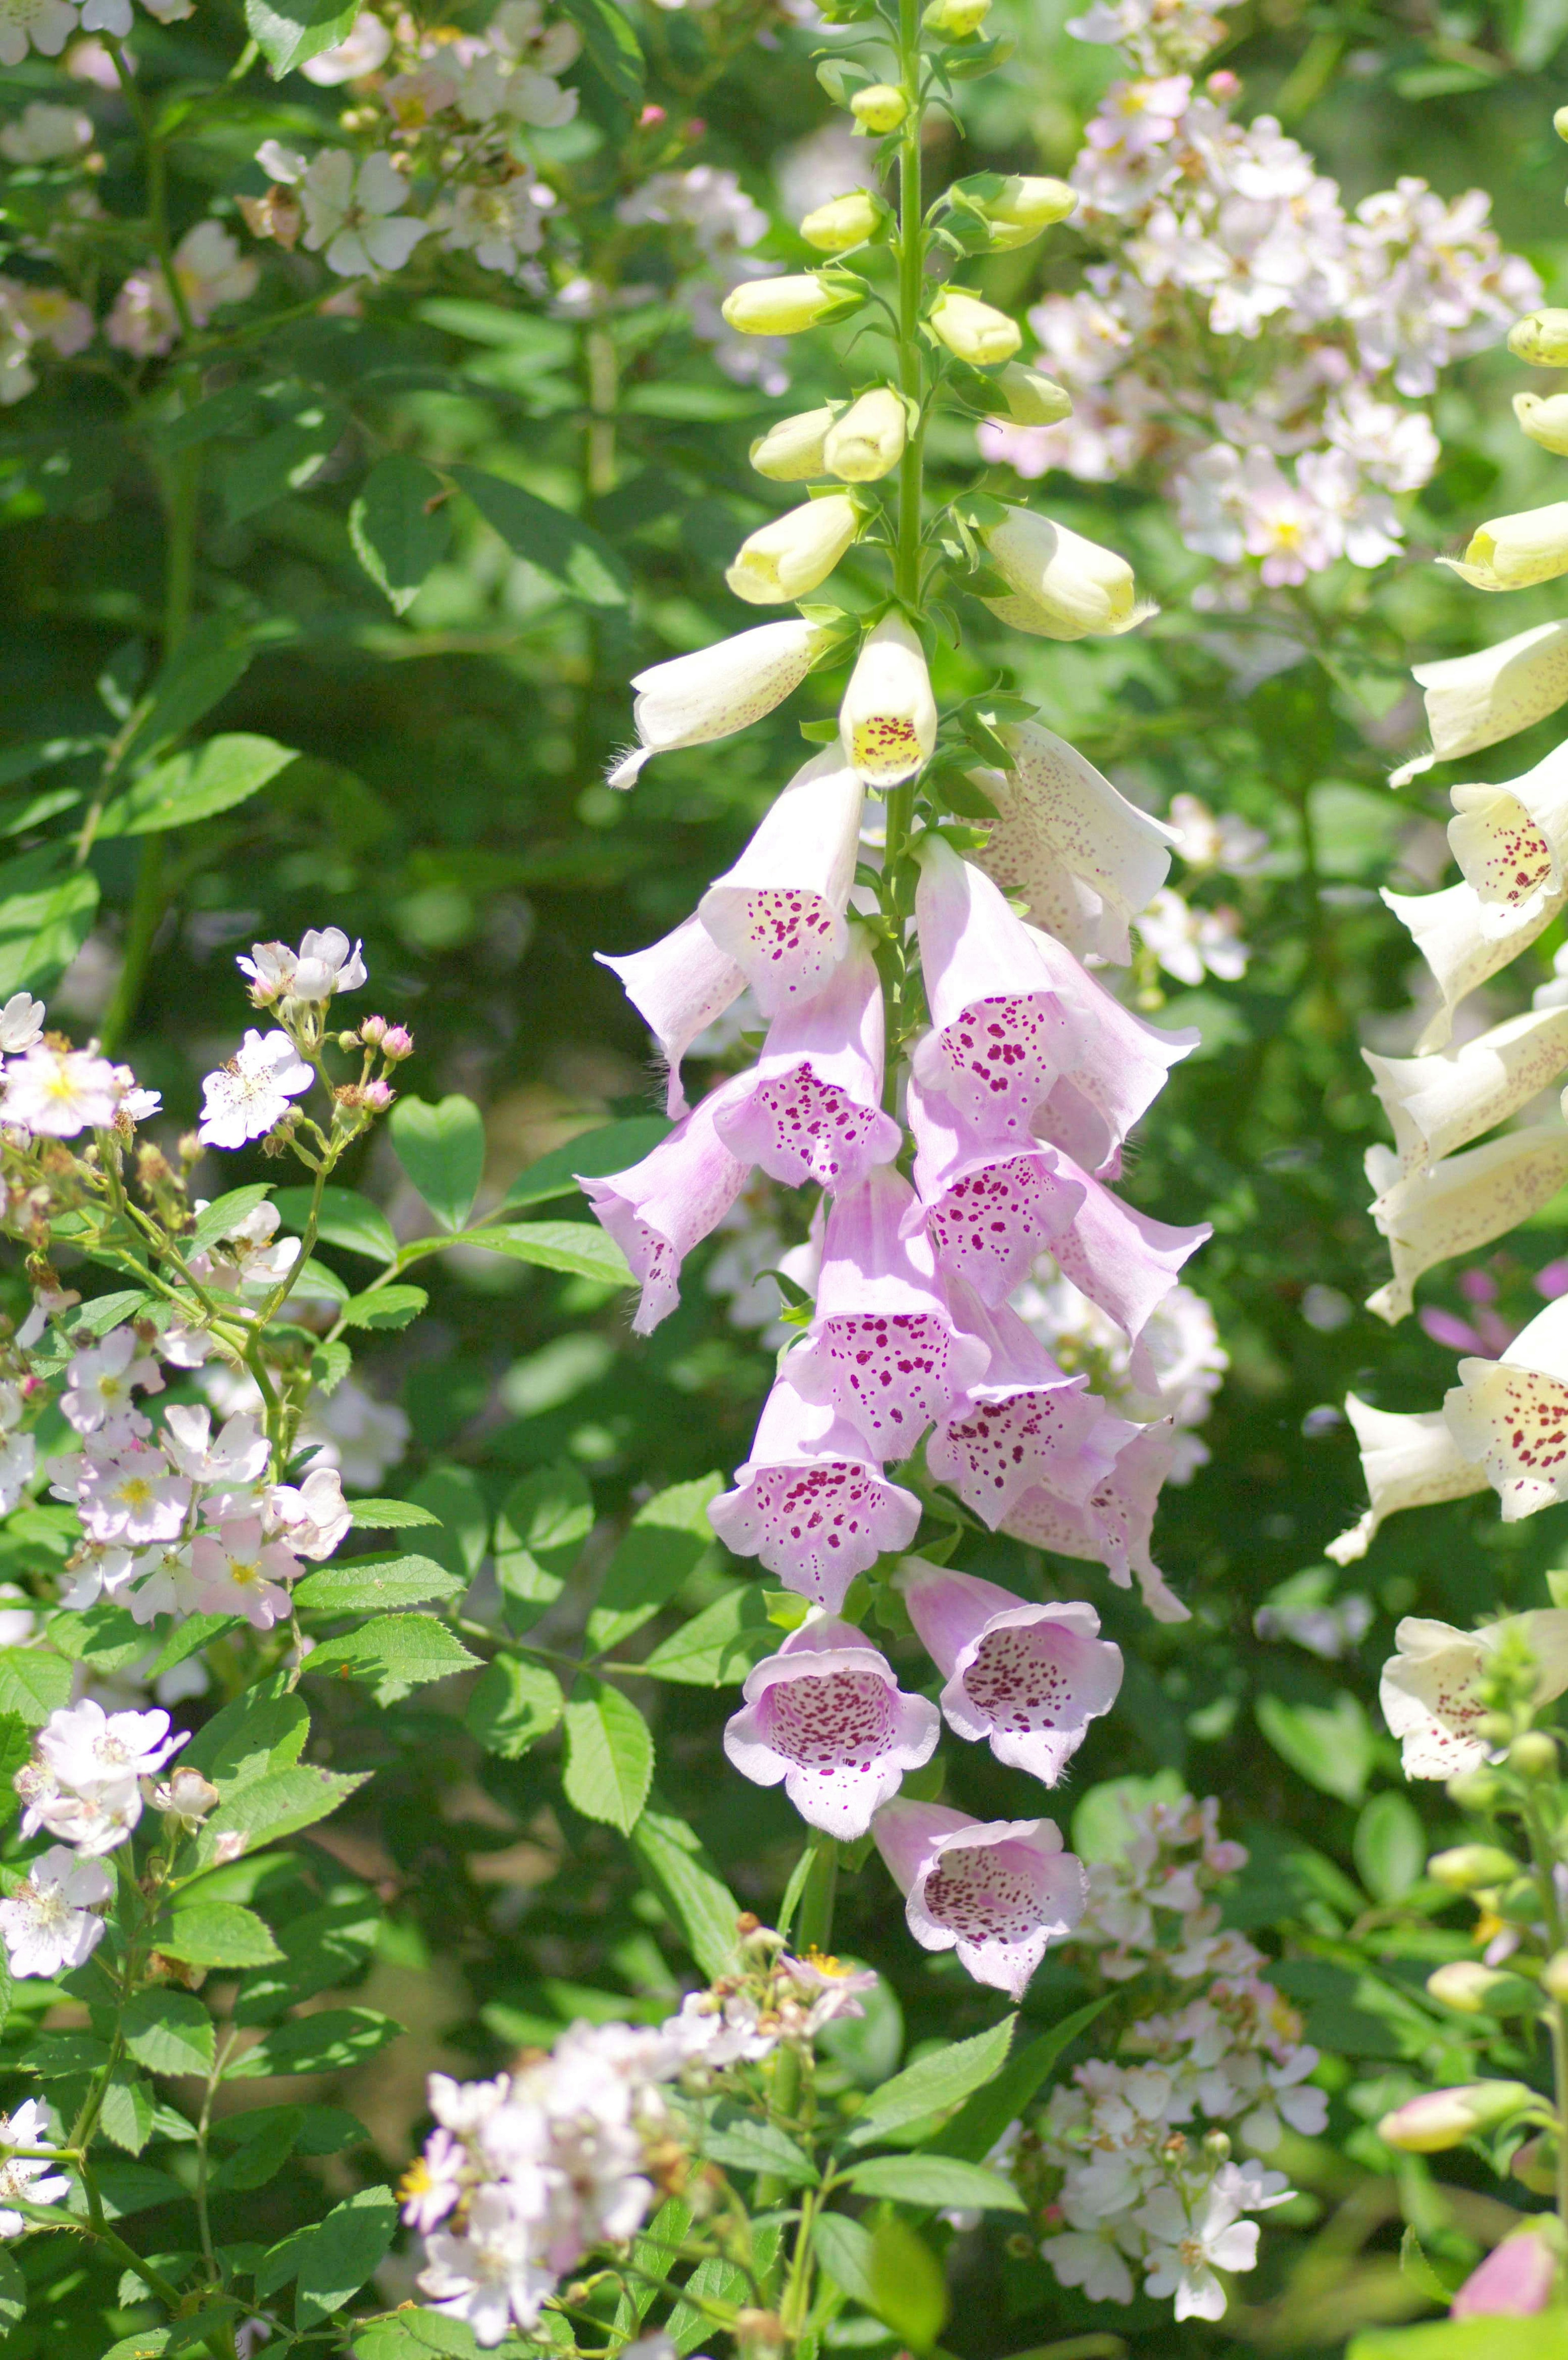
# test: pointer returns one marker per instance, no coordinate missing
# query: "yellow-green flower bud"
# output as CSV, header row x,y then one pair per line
x,y
956,19
790,556
1554,1975
1475,1790
1426,2126
881,107
1024,206
779,307
1468,1867
868,442
1533,1754
1510,552
973,331
1541,339
1560,123
1544,418
791,452
844,222
1030,398
1472,1989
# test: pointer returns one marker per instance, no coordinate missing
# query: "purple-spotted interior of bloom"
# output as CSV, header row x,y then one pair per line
x,y
1510,859
1000,1448
1022,1678
989,1227
819,1526
804,1131
837,1720
888,1373
1004,1058
797,933
1531,1422
984,1893
654,1260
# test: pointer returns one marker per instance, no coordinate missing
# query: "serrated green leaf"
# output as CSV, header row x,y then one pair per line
x,y
328,2043
391,1515
33,1684
719,1645
442,1148
664,1544
980,2121
211,657
343,2251
691,1888
385,1306
933,2083
565,550
513,1705
267,2145
350,1588
127,2110
609,1755
217,1934
398,526
167,2031
265,1729
612,44
277,1804
266,471
538,1535
908,2292
225,1214
581,1249
44,919
300,29
393,1654
321,1950
744,2145
12,2294
844,2249
198,784
188,1638
936,2181
347,1220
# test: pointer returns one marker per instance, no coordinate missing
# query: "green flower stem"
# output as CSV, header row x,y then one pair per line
x,y
1543,1860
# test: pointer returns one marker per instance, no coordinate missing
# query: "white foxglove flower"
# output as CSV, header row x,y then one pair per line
x,y
780,912
368,45
1431,1690
243,1098
355,213
1511,1415
1406,1461
779,307
1544,418
1513,552
867,442
973,331
1062,587
1465,1201
791,452
1463,944
887,723
1478,700
691,700
1084,859
1511,841
58,1092
1436,1104
46,134
789,557
51,1923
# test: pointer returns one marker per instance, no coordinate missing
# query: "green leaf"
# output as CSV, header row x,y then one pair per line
x,y
1329,1745
342,2252
539,1534
844,2249
579,1248
277,1804
385,1306
514,1704
1390,1848
299,30
664,1544
197,785
284,460
217,1934
612,45
169,2032
613,1148
400,528
128,2112
392,1654
393,1516
565,551
908,2292
744,2145
328,2043
719,1645
44,920
12,2294
33,1684
442,1148
210,660
129,2188
609,1755
16,1746
263,1729
322,1949
232,412
933,2083
685,1880
1543,2338
352,1588
936,2181
266,2145
455,1498
226,1213
345,1220
188,1638
976,2127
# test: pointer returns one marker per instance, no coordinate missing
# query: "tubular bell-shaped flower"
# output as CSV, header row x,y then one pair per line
x,y
1061,585
1478,700
658,1209
810,1503
1511,1415
1432,1689
814,1110
1114,1526
1118,1067
693,700
779,911
997,1891
1462,946
827,1718
1406,1461
887,723
1084,859
1027,1680
1429,1216
1511,841
1025,1425
987,1210
1513,552
679,985
1438,1103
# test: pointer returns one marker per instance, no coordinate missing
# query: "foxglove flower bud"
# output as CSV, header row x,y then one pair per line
x,y
789,557
1544,418
1427,2125
887,723
845,222
1513,552
779,307
791,452
1541,339
1030,398
1024,207
955,20
1470,1988
973,331
868,442
1064,587
1515,2279
881,107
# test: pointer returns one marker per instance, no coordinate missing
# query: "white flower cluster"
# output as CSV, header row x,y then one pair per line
x,y
31,316
526,2174
723,224
49,1090
46,25
1175,1371
1294,457
1143,2147
1160,36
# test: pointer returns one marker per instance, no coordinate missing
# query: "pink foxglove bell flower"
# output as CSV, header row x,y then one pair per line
x,y
813,1111
825,1716
1024,1424
883,1350
1509,1415
679,986
997,1891
1430,1689
779,911
1084,859
1115,1525
1515,2281
1120,1066
987,1210
810,1503
1407,1461
659,1209
694,699
1027,1680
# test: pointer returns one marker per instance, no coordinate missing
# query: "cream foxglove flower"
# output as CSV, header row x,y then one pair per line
x,y
1511,1415
1406,1461
868,442
1511,840
788,558
1460,1204
779,911
1541,339
1436,1104
1063,586
1024,206
791,452
1478,700
844,222
779,306
1464,945
1030,398
694,699
973,331
1513,552
1430,1692
1085,859
1544,418
887,723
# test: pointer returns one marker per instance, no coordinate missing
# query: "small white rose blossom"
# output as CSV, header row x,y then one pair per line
x,y
362,50
42,133
58,1093
243,1098
355,212
27,2177
43,25
51,1923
